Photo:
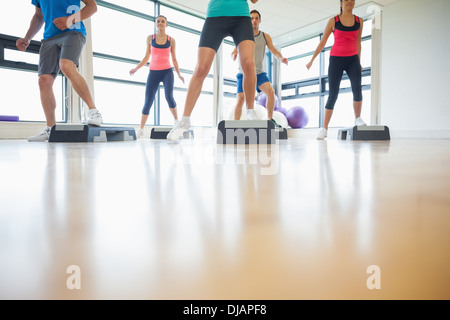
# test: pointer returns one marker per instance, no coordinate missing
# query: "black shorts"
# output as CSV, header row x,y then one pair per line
x,y
216,29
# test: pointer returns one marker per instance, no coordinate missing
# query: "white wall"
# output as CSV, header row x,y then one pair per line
x,y
415,66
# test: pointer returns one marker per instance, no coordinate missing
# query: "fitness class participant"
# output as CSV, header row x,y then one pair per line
x,y
345,56
64,39
262,40
160,47
224,18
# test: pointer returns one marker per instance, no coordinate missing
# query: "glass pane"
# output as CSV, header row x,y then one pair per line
x,y
229,105
130,40
230,66
300,48
230,89
287,92
366,53
20,56
182,18
15,18
343,115
367,28
167,118
203,111
186,47
309,89
119,70
296,70
311,106
143,6
25,85
327,61
121,103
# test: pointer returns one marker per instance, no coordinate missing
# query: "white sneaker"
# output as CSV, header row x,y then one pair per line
x,y
359,122
177,132
139,133
251,115
95,118
322,134
175,122
41,136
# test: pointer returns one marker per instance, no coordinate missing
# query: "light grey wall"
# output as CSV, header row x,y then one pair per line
x,y
415,65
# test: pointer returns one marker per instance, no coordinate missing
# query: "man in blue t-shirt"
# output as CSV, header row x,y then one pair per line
x,y
64,39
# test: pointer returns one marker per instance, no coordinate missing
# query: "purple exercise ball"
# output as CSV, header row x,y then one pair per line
x,y
277,103
282,110
297,117
261,99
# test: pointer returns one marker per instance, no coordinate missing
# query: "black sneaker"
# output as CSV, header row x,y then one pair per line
x,y
277,126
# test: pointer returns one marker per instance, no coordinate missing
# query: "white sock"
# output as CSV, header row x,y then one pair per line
x,y
186,120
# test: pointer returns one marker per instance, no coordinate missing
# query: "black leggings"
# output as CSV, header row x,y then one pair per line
x,y
153,80
352,66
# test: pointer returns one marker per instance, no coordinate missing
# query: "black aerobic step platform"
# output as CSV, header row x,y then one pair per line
x,y
86,133
162,132
365,133
246,132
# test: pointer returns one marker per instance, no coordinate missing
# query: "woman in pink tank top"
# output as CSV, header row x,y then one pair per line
x,y
345,56
160,48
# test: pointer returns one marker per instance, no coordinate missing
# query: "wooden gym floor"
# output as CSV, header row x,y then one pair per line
x,y
149,219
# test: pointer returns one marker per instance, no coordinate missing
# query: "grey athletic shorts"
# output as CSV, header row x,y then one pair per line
x,y
67,45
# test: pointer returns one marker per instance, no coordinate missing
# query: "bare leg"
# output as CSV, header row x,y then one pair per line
x,y
357,107
144,119
247,57
270,94
328,114
204,61
48,100
78,82
174,112
239,104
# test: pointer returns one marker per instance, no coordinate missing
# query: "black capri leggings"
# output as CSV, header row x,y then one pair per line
x,y
153,80
352,66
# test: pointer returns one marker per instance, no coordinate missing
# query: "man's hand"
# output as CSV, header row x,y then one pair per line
x,y
64,23
22,44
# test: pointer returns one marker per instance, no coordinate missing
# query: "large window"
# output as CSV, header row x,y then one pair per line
x,y
119,32
309,88
118,50
18,70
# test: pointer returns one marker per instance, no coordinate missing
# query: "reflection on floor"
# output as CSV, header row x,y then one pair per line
x,y
149,219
